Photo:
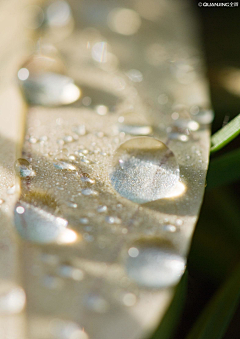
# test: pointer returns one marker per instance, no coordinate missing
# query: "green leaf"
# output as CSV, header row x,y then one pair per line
x,y
170,320
214,320
225,134
224,169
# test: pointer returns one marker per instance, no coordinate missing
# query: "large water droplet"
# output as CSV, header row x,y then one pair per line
x,y
43,82
153,264
23,168
144,169
37,225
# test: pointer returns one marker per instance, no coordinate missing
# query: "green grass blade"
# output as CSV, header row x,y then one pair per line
x,y
225,134
171,318
224,169
214,320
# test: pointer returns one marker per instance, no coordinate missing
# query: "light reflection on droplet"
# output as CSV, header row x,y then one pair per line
x,y
67,237
23,168
135,75
179,189
135,129
124,21
144,169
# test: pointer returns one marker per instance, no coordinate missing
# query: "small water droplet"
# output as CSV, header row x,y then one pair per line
x,y
204,116
135,129
84,221
178,136
102,209
71,204
12,299
11,190
170,228
184,124
63,165
113,220
2,201
23,168
89,191
179,222
86,178
155,265
144,169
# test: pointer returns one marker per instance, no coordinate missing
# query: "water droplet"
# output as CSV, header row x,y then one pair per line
x,y
204,116
84,220
113,220
102,209
96,303
184,124
2,201
63,165
12,299
155,265
89,191
144,169
169,228
179,222
37,225
86,178
71,204
23,168
11,190
43,82
178,136
135,129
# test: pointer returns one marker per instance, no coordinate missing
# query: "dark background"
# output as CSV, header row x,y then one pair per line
x,y
215,250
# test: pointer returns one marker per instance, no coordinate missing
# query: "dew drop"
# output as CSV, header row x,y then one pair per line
x,y
12,299
178,136
84,220
35,224
86,178
113,220
204,116
23,168
169,228
102,209
43,82
80,130
63,165
144,169
89,191
155,265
